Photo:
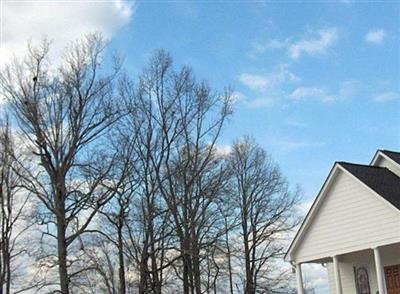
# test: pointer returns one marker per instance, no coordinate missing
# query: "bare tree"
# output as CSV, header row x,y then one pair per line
x,y
150,232
118,210
139,199
12,203
63,113
115,223
135,219
231,221
190,118
266,207
150,240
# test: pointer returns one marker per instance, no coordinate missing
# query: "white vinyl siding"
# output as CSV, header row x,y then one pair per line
x,y
350,218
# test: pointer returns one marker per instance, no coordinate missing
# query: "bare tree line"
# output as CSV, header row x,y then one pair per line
x,y
132,192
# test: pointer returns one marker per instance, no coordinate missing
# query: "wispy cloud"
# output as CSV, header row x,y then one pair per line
x,y
316,93
268,97
387,96
295,122
267,87
254,81
259,48
59,21
317,42
260,102
315,45
347,2
375,36
223,149
316,276
262,82
305,206
286,145
348,89
345,90
276,44
238,97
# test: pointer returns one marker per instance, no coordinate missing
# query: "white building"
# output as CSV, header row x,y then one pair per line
x,y
353,227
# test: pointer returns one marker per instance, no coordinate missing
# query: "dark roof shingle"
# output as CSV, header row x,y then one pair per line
x,y
379,179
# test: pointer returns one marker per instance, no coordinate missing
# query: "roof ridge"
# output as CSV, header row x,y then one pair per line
x,y
370,166
391,151
363,165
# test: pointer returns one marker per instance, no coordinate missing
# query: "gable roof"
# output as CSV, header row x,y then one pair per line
x,y
395,156
392,156
380,179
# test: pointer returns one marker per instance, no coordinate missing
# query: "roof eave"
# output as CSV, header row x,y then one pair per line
x,y
311,212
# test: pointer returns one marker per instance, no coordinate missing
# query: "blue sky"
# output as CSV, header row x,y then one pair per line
x,y
315,81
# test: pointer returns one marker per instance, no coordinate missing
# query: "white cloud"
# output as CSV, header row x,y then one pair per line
x,y
238,97
276,44
274,86
223,150
304,207
253,81
316,277
259,48
263,102
261,82
347,2
60,21
294,122
317,45
387,96
269,85
287,144
302,93
375,36
348,89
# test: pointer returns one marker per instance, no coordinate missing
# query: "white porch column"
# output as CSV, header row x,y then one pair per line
x,y
338,281
299,279
379,271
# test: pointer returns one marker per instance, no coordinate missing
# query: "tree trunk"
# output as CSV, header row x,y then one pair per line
x,y
249,275
196,266
156,285
8,265
121,270
3,241
60,192
249,289
228,249
144,269
62,253
186,266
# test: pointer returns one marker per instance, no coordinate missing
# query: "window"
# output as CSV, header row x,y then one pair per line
x,y
362,280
